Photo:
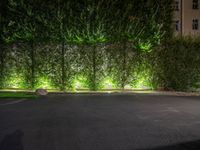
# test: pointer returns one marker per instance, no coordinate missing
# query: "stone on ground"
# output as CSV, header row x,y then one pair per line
x,y
41,92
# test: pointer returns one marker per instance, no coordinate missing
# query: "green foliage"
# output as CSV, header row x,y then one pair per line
x,y
16,95
2,65
179,61
81,44
91,65
15,67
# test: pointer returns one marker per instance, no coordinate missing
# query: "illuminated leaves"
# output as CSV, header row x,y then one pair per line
x,y
68,41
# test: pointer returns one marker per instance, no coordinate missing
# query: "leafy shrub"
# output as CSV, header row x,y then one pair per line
x,y
83,44
179,61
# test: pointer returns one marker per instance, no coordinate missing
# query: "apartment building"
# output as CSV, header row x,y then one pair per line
x,y
186,17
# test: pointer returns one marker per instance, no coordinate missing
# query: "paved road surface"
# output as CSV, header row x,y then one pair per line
x,y
101,122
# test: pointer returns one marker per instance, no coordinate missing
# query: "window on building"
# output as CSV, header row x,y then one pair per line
x,y
195,4
195,24
176,5
177,25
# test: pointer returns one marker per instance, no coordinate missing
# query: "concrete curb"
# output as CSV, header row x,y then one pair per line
x,y
124,92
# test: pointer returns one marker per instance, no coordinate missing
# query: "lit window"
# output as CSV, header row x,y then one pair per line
x,y
195,4
195,24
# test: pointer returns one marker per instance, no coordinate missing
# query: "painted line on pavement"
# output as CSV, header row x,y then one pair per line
x,y
11,103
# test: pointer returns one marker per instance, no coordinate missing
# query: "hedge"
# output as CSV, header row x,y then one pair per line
x,y
178,64
100,44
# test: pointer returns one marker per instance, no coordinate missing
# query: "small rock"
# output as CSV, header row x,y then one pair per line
x,y
41,92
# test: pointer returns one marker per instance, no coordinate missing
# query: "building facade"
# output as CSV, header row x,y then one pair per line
x,y
187,17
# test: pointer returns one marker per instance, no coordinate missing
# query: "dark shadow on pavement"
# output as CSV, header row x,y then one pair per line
x,y
12,141
194,145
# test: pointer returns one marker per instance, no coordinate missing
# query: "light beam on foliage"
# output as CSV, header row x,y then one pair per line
x,y
108,83
142,81
44,82
15,81
79,82
144,46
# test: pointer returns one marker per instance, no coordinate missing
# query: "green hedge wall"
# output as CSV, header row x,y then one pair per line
x,y
173,65
179,64
100,44
84,67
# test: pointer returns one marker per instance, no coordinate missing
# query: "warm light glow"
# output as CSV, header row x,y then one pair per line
x,y
142,81
108,83
16,80
44,82
79,82
144,46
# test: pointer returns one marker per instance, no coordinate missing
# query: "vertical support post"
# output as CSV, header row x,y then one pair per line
x,y
124,66
32,66
1,65
94,69
63,65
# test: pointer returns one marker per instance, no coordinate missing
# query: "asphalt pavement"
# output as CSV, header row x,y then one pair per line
x,y
101,122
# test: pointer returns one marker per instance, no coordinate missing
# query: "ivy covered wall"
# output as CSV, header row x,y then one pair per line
x,y
76,44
